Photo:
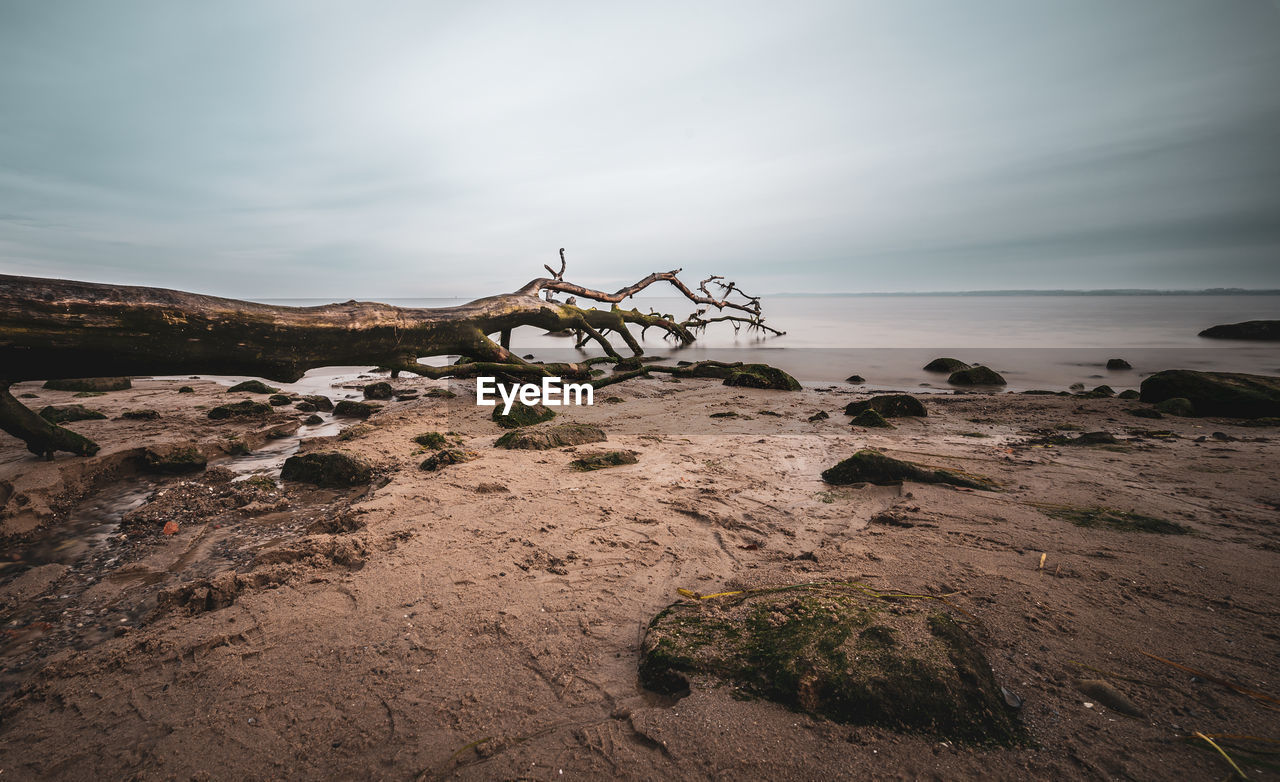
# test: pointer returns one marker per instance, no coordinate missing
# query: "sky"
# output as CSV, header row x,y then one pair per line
x,y
381,149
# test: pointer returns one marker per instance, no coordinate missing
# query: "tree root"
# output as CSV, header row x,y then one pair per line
x,y
42,438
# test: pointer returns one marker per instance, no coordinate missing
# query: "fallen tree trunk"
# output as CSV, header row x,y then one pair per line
x,y
61,329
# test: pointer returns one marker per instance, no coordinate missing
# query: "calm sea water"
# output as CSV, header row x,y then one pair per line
x,y
1035,341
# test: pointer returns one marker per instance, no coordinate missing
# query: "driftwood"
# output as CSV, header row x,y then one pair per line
x,y
53,329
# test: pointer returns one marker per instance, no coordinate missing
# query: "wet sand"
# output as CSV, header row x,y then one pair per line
x,y
485,621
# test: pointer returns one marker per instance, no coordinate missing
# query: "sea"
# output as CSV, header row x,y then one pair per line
x,y
1035,341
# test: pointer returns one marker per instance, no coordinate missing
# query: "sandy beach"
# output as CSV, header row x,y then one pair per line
x,y
485,621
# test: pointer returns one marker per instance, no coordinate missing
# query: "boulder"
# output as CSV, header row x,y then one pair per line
x,y
821,415
947,365
761,376
253,387
871,419
522,415
67,413
1264,330
855,379
1128,393
352,409
278,400
380,390
313,420
589,462
867,466
889,406
445,458
186,390
1118,363
305,407
173,459
246,409
1227,394
976,376
89,384
321,402
140,415
546,437
333,469
433,440
836,652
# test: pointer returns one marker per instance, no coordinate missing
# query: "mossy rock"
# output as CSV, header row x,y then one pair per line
x,y
889,406
833,652
380,390
522,415
89,384
1128,394
433,440
821,415
947,365
246,409
186,390
140,415
546,437
445,458
253,387
279,400
439,393
1228,394
867,466
976,376
349,408
761,376
872,420
333,469
1176,406
305,407
313,420
66,413
321,402
173,459
1118,363
589,462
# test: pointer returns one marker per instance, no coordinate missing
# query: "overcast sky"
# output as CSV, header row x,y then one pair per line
x,y
391,149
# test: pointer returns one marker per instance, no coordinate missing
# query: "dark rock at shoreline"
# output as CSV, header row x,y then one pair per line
x,y
380,390
821,415
439,393
1228,394
352,409
947,365
1266,330
186,390
521,415
278,400
867,466
889,406
547,437
246,409
976,376
89,384
871,420
253,387
313,420
333,469
67,413
305,407
321,402
857,379
1145,412
1118,363
1128,393
761,376
173,459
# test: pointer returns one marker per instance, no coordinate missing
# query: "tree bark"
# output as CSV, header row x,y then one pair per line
x,y
64,329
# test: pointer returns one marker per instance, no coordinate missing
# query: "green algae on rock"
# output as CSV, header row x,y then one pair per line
x,y
600,460
522,415
832,651
66,413
761,376
253,387
447,457
1228,394
976,376
872,420
246,409
947,365
889,406
333,469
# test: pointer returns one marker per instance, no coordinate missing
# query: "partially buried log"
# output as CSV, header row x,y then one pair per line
x,y
54,329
